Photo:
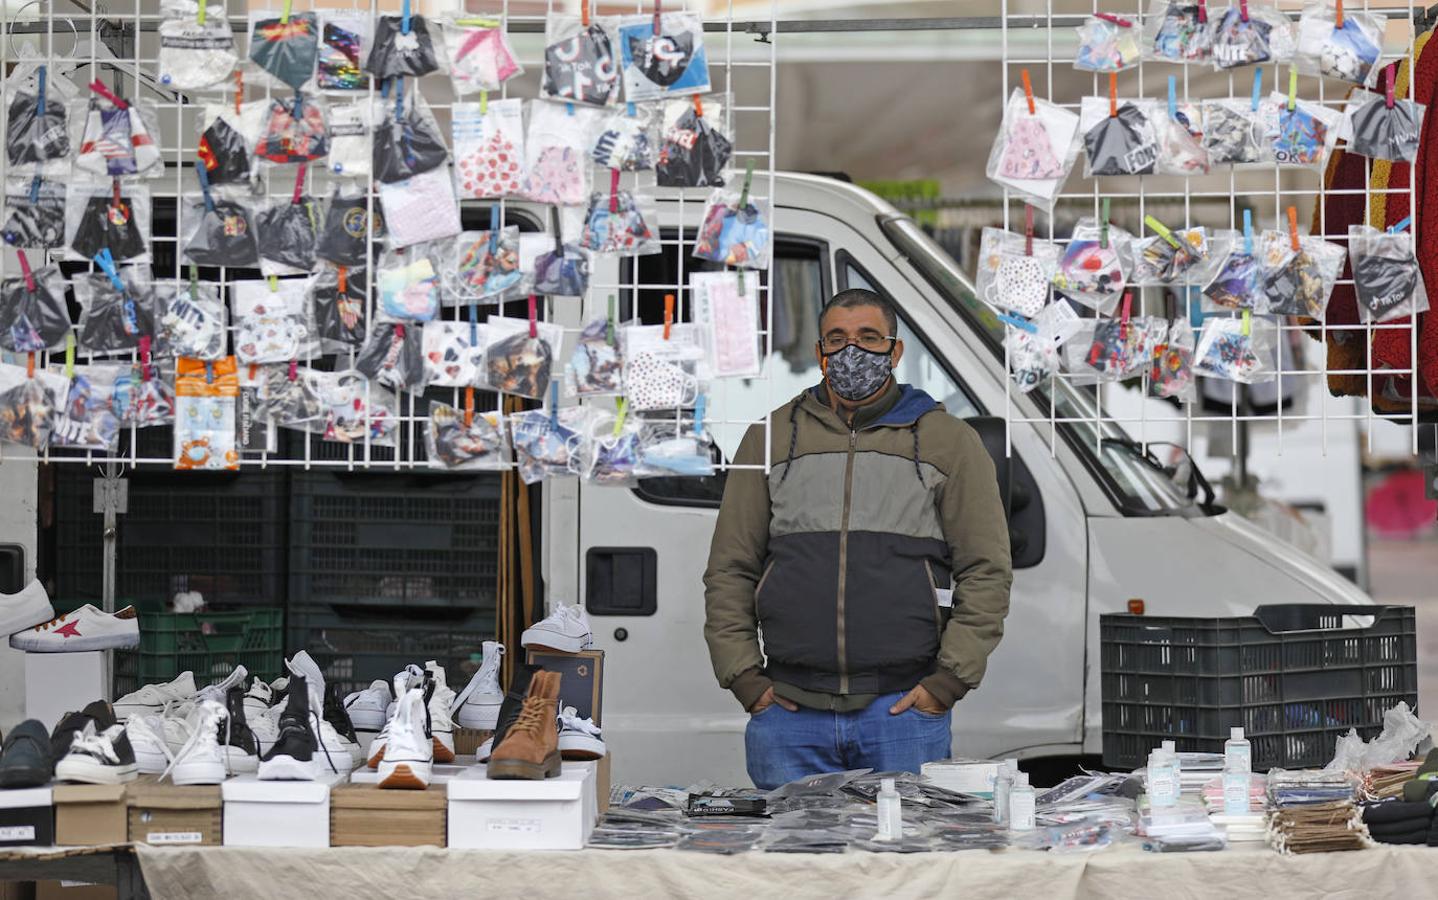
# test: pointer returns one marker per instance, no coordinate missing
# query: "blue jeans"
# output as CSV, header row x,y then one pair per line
x,y
781,746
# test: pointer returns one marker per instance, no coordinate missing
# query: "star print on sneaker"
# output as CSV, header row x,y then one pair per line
x,y
86,628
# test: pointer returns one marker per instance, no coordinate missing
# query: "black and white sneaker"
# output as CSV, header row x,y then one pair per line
x,y
99,757
292,757
237,742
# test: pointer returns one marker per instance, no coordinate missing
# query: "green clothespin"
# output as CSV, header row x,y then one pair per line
x,y
621,409
285,13
1103,229
748,183
479,22
274,284
194,282
484,103
69,354
609,327
1247,323
1292,87
200,14
1159,229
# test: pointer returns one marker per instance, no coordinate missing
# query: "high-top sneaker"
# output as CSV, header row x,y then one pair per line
x,y
99,757
221,688
477,706
409,751
336,715
410,676
147,739
530,749
238,743
579,738
259,699
292,758
201,760
339,753
369,709
441,724
509,708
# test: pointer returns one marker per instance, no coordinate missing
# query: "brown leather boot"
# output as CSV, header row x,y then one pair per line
x,y
530,749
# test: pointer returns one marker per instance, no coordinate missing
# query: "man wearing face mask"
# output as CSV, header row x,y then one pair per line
x,y
877,502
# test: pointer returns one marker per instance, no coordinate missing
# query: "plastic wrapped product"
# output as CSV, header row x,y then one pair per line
x,y
408,141
1120,345
422,208
117,308
696,146
1250,33
1299,283
451,443
489,148
345,235
392,356
402,45
197,49
1180,140
37,126
453,354
1238,282
34,213
734,231
223,233
483,266
285,46
619,224
1093,270
1171,373
30,405
663,55
1107,43
519,355
206,394
1303,135
33,316
674,448
90,419
338,296
663,372
1177,31
1348,53
480,58
596,367
1183,254
286,232
1033,345
556,154
145,397
1382,127
1386,277
290,398
1238,349
229,139
628,140
1118,136
294,133
726,309
581,63
562,271
358,410
1023,285
351,154
546,442
271,326
193,322
608,453
1231,131
345,40
1035,149
118,138
407,282
108,217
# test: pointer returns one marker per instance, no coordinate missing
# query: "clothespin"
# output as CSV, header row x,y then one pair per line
x,y
99,87
1019,322
299,183
569,109
1293,227
609,326
25,270
40,94
342,280
239,89
194,282
274,284
107,265
658,29
1248,232
1247,327
621,409
1125,315
1243,10
209,372
533,316
1203,12
204,178
1257,87
144,357
1400,225
285,13
200,14
630,109
1173,97
1117,20
69,354
116,204
495,222
1195,309
1028,230
294,372
35,189
698,107
1338,15
1292,88
553,404
1113,94
1028,91
613,191
1103,228
1388,84
469,407
1162,231
473,325
699,416
584,12
30,364
484,103
748,184
398,96
404,18
668,315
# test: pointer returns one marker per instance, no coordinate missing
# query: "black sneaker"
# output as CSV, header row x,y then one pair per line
x,y
510,708
237,742
25,760
335,712
99,757
292,758
98,712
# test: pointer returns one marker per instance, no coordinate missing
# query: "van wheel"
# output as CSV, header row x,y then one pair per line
x,y
1047,771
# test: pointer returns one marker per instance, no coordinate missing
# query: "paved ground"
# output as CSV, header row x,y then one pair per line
x,y
1407,572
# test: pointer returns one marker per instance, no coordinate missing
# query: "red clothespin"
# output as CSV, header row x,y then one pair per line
x,y
1113,94
468,407
144,357
1293,227
668,315
1243,10
294,372
1117,20
1028,230
1388,75
25,270
299,183
1124,316
98,87
1203,12
657,16
613,191
1028,91
533,316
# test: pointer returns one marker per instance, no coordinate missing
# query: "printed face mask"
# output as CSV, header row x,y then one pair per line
x,y
406,144
116,142
557,178
1117,347
1087,267
224,237
35,137
33,320
493,168
581,68
193,324
392,356
623,232
654,383
1236,286
480,59
339,313
1181,36
105,226
1383,284
269,338
1171,374
1387,132
855,373
194,56
454,445
451,359
562,273
694,154
286,233
144,401
1301,137
294,134
89,419
287,50
114,319
596,365
1297,288
661,59
1028,152
542,444
1348,53
421,208
1239,43
396,52
734,237
1229,134
519,364
37,224
411,291
1106,46
486,269
1122,144
29,409
339,60
627,142
224,155
357,412
343,239
1022,285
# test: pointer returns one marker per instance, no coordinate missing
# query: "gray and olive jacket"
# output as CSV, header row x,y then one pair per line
x,y
835,556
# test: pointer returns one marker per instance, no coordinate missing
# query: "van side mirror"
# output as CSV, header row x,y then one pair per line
x,y
1023,504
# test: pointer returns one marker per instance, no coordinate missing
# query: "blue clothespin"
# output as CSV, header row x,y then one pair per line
x,y
553,403
1400,225
1248,232
204,177
569,109
107,265
1257,87
40,94
35,189
1020,323
209,372
1173,97
630,109
473,325
404,19
699,416
1195,308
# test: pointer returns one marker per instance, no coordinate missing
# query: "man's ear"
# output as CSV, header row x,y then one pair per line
x,y
898,353
819,357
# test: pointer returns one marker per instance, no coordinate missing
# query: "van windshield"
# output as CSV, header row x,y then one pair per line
x,y
1139,488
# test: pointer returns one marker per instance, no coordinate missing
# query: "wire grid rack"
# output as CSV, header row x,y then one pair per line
x,y
117,42
1036,35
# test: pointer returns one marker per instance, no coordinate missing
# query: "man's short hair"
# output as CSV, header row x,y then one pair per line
x,y
856,297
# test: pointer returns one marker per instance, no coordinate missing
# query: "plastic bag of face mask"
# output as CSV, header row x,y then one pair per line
x,y
34,318
1302,136
1299,283
422,208
392,356
628,139
351,155
133,128
407,140
89,419
228,140
662,373
489,148
547,443
221,232
1251,33
345,40
696,144
734,231
1035,149
1242,349
1176,31
1170,372
30,406
285,46
294,132
146,397
195,52
338,296
1107,43
561,271
596,366
581,62
193,322
34,213
556,151
519,355
608,451
1121,139
663,55
1034,347
94,222
1379,129
1231,132
1386,277
1349,53
38,140
1093,270
1237,282
287,231
480,58
358,410
674,449
726,308
403,45
1120,347
345,236
482,445
1011,278
272,326
453,353
115,318
1187,258
482,267
291,398
407,284
621,224
1180,142
206,396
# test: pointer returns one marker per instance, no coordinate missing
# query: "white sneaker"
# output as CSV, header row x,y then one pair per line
x,y
174,725
219,689
578,738
150,700
368,709
200,760
258,699
25,609
566,629
485,749
441,724
147,739
411,676
409,753
87,628
98,757
266,730
477,706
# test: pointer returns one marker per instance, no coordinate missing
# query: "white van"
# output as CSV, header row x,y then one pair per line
x,y
1093,524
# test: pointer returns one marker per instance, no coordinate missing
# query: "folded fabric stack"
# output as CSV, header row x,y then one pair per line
x,y
1196,770
1305,786
1313,827
1257,794
1383,782
1401,822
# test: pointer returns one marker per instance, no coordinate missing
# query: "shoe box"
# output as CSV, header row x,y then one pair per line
x,y
174,815
278,813
601,783
582,685
91,815
27,817
551,814
74,890
363,815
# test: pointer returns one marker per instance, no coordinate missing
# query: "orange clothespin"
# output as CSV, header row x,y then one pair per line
x,y
468,407
1293,226
1028,91
668,315
1113,94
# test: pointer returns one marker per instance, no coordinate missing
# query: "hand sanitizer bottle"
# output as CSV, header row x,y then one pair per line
x,y
1162,780
1021,804
1171,749
1237,748
1235,787
1003,783
891,814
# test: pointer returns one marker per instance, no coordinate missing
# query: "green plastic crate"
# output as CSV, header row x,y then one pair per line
x,y
210,644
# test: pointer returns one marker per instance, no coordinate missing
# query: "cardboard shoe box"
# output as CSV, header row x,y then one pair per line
x,y
362,815
27,817
553,814
278,813
169,815
74,890
581,684
91,815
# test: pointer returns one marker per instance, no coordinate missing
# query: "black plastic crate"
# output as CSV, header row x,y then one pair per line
x,y
1295,677
354,651
394,540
